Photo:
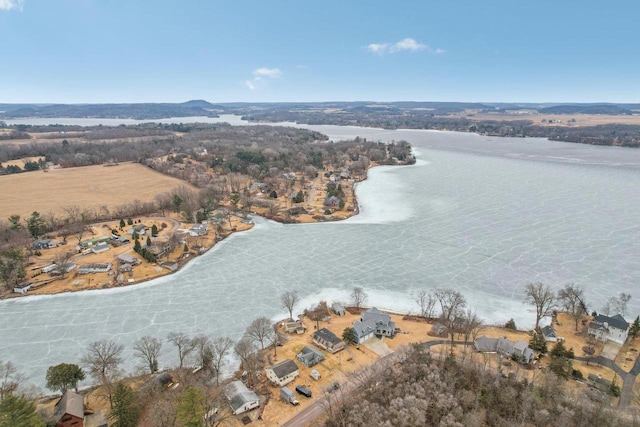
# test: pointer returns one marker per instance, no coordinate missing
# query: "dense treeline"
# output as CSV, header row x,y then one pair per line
x,y
609,134
424,391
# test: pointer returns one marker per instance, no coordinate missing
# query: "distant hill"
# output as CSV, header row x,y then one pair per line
x,y
143,111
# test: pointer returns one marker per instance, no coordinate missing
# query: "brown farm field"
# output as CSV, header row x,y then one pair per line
x,y
87,187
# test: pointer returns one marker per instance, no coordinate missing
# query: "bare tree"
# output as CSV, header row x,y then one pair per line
x,y
103,360
289,300
260,330
77,220
10,379
571,298
617,304
541,296
183,343
249,360
452,304
358,297
148,349
426,301
204,350
470,326
221,348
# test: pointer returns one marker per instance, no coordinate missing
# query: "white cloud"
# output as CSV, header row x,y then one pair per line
x,y
274,73
260,76
404,45
407,44
11,4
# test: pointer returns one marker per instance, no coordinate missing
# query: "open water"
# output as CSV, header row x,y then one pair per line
x,y
482,215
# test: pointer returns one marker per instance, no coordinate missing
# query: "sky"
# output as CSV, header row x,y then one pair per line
x,y
98,51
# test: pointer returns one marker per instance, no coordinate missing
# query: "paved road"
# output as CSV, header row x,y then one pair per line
x,y
318,408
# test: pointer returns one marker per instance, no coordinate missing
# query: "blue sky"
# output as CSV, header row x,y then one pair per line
x,y
73,51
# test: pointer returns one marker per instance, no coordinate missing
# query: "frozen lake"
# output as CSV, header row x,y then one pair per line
x,y
482,215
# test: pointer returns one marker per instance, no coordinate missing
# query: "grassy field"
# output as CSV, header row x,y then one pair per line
x,y
88,187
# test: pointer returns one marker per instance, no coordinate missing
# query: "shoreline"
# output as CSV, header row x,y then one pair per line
x,y
164,272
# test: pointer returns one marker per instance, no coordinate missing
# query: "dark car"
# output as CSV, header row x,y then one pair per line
x,y
303,390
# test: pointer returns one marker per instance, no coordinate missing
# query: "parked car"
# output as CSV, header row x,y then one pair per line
x,y
303,390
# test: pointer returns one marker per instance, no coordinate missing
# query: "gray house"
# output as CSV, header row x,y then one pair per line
x,y
504,347
605,328
240,398
372,323
310,356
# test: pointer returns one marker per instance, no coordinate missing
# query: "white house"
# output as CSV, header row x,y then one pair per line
x,y
282,373
605,328
241,399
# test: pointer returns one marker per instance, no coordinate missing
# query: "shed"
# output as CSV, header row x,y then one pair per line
x,y
315,374
338,309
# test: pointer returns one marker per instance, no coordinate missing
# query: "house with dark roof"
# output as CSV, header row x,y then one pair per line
x,y
605,328
310,356
282,373
372,323
549,334
327,340
69,411
240,398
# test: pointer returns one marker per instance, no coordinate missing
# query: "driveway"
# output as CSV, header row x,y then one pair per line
x,y
378,346
610,350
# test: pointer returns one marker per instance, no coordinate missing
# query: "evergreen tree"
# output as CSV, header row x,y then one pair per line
x,y
121,224
635,327
36,225
125,411
154,230
137,246
537,342
18,411
148,241
191,408
349,335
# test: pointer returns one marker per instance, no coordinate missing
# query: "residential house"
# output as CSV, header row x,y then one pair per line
x,y
198,230
44,244
504,347
549,334
69,411
310,356
327,340
282,373
100,247
170,265
240,398
372,323
605,328
296,326
338,309
332,202
128,259
22,288
523,352
95,268
139,229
